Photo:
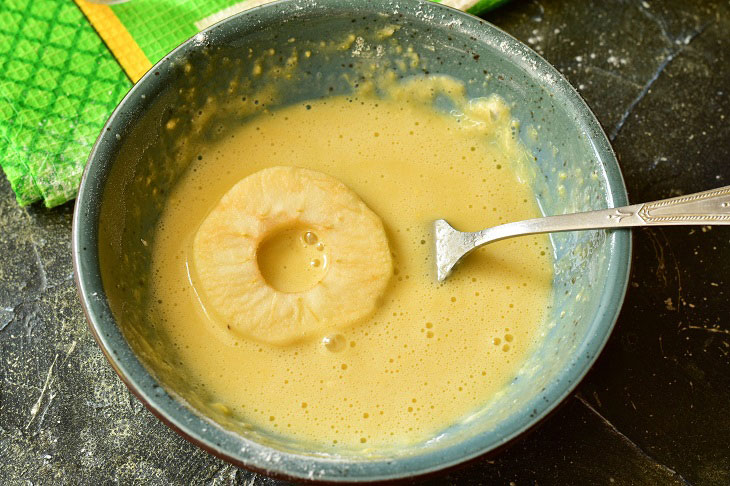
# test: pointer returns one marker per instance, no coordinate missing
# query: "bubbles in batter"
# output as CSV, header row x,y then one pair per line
x,y
432,353
310,238
334,343
287,260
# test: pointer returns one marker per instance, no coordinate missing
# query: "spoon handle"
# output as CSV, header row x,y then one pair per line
x,y
708,207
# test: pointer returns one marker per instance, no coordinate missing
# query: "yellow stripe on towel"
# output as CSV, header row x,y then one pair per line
x,y
117,38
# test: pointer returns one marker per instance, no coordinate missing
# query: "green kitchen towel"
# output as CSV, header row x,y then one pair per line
x,y
58,85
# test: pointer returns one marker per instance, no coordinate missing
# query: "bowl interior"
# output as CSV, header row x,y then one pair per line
x,y
140,155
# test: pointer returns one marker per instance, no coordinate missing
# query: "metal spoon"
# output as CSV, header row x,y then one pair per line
x,y
708,207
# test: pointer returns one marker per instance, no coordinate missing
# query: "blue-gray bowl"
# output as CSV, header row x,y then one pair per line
x,y
133,166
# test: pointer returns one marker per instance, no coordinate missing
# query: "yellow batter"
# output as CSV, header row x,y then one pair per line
x,y
430,353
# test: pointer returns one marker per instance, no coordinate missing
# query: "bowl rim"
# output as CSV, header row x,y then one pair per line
x,y
251,455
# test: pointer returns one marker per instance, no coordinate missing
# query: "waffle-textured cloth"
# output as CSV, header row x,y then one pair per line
x,y
58,85
58,82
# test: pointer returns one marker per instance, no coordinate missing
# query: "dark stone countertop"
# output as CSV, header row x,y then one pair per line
x,y
653,410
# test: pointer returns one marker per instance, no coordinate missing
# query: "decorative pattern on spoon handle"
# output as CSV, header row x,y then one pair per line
x,y
710,207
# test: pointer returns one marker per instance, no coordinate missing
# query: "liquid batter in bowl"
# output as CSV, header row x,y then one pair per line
x,y
424,355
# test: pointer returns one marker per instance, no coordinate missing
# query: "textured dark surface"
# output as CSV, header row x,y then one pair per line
x,y
655,409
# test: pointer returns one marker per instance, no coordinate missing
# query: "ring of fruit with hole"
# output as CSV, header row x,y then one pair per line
x,y
295,248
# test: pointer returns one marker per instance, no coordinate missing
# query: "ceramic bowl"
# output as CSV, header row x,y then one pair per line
x,y
136,160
